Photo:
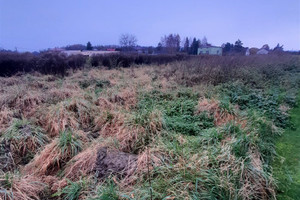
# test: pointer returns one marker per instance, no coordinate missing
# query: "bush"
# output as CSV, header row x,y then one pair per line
x,y
12,63
256,71
127,60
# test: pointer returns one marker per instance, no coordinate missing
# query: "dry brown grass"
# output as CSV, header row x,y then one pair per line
x,y
221,116
75,113
104,104
150,156
155,125
57,118
6,116
116,127
50,160
9,81
59,94
255,158
82,164
47,162
130,136
29,103
22,97
24,188
12,94
212,108
256,186
141,76
21,149
129,98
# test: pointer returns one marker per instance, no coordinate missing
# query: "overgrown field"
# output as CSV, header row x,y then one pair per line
x,y
204,128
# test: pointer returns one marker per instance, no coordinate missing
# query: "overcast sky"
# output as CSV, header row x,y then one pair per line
x,y
39,24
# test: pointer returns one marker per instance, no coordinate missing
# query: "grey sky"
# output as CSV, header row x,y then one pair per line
x,y
40,24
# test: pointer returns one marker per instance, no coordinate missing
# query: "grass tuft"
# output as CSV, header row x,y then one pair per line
x,y
25,140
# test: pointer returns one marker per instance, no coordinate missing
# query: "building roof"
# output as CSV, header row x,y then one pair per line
x,y
209,47
262,51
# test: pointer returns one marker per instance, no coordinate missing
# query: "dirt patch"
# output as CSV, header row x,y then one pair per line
x,y
114,162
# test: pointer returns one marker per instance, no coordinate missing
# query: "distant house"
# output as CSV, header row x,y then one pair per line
x,y
87,53
262,52
210,50
247,52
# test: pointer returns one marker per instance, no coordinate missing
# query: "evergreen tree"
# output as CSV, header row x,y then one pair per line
x,y
159,47
194,47
89,46
238,46
186,45
228,47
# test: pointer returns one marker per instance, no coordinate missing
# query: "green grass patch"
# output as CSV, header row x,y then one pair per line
x,y
178,110
287,165
71,191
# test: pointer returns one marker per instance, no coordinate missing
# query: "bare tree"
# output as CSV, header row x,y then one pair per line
x,y
171,43
128,41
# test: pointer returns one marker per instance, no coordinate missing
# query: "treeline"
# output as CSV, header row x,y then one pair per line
x,y
172,43
52,62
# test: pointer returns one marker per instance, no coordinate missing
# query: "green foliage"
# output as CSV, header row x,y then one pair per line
x,y
232,129
265,133
99,84
107,192
187,124
211,136
209,186
7,180
71,191
69,143
180,117
178,111
241,146
84,84
266,103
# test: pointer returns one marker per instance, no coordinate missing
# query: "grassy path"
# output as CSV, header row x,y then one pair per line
x,y
287,171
